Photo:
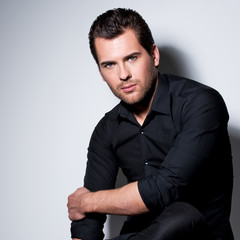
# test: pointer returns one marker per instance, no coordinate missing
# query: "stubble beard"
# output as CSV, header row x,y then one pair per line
x,y
143,95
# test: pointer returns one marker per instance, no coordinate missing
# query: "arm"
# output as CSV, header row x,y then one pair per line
x,y
122,201
194,167
100,174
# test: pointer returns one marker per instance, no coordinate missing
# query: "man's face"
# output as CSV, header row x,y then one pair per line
x,y
126,66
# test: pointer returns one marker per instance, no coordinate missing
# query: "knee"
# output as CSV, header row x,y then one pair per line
x,y
180,221
185,213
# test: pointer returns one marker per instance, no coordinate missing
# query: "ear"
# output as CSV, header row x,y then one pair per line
x,y
156,55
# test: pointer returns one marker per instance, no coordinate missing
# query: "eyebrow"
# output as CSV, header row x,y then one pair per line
x,y
125,58
131,54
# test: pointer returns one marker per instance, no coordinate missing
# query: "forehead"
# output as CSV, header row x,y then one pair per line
x,y
119,47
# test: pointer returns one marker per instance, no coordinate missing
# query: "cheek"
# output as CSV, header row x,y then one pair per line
x,y
110,78
106,75
144,71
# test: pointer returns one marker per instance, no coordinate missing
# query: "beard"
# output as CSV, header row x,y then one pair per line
x,y
143,93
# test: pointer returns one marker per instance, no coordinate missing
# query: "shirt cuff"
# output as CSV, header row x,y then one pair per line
x,y
90,228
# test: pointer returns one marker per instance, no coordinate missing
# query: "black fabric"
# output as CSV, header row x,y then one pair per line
x,y
180,153
179,221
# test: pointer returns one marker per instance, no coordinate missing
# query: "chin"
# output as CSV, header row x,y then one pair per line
x,y
132,102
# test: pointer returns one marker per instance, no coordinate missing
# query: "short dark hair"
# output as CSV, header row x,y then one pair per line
x,y
115,22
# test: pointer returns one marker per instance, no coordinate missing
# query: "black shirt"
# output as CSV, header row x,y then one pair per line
x,y
180,153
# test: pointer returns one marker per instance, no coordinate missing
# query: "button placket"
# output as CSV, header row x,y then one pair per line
x,y
143,147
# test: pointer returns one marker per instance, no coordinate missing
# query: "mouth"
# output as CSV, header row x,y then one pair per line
x,y
129,88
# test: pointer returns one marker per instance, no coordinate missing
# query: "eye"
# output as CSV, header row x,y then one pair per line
x,y
132,58
109,65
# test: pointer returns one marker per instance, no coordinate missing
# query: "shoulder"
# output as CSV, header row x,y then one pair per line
x,y
192,91
102,132
191,99
185,87
110,119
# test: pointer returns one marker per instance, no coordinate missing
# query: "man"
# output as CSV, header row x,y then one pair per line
x,y
168,135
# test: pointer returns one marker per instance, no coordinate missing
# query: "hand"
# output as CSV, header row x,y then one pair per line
x,y
76,204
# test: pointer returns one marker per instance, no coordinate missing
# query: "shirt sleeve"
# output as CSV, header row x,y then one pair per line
x,y
101,173
204,120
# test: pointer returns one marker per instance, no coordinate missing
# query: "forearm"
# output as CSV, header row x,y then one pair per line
x,y
122,201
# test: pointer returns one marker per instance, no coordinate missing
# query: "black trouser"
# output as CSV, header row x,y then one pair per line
x,y
179,221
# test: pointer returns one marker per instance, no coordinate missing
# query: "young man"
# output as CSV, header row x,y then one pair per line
x,y
168,135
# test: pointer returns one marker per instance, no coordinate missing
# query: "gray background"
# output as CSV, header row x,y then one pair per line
x,y
52,96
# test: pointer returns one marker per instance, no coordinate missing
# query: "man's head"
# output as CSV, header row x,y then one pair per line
x,y
113,23
126,55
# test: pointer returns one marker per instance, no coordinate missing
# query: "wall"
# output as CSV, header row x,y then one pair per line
x,y
51,96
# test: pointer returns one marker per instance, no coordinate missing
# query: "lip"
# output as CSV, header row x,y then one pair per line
x,y
129,88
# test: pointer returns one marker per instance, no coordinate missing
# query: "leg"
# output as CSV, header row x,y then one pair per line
x,y
179,221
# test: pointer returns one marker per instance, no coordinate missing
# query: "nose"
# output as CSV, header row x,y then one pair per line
x,y
124,73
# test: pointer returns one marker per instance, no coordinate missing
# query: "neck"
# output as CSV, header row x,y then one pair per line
x,y
141,115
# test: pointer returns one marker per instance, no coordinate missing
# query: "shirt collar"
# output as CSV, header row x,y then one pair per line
x,y
161,100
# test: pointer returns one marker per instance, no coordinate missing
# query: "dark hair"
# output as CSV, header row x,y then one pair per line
x,y
115,22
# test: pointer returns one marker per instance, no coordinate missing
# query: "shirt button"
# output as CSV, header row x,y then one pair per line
x,y
146,162
142,132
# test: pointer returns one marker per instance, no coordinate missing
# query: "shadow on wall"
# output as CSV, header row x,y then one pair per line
x,y
235,214
175,62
